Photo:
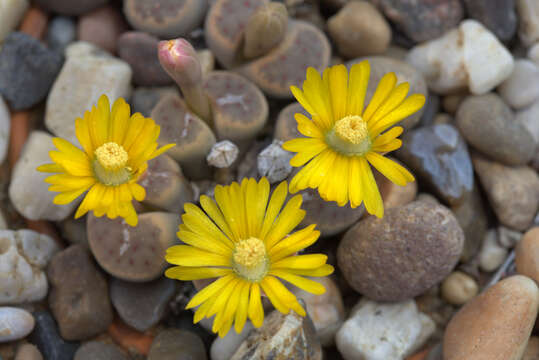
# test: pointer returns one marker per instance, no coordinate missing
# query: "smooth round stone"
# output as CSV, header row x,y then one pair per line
x,y
528,12
11,12
223,348
508,238
28,352
451,103
102,27
439,156
496,324
176,344
528,117
141,305
458,288
402,255
144,99
286,126
139,50
487,124
62,31
96,350
47,339
68,7
532,349
501,19
491,255
525,75
27,70
5,124
133,253
15,323
527,254
359,29
74,230
79,297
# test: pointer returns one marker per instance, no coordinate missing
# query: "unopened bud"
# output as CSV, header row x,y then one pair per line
x,y
223,154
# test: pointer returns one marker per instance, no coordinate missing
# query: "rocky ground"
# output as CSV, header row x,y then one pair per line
x,y
449,273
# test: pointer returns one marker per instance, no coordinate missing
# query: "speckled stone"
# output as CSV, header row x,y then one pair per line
x,y
102,27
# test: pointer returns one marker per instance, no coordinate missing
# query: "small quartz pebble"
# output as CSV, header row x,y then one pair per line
x,y
495,324
492,254
102,27
378,331
528,117
274,162
223,348
468,56
527,254
4,129
525,75
23,256
96,350
223,154
174,344
11,12
15,324
61,32
528,11
458,288
28,352
508,238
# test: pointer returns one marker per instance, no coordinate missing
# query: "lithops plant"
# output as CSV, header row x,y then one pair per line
x,y
286,127
133,253
165,18
242,34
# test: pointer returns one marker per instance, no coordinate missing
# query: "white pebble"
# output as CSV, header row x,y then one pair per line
x,y
521,89
491,255
15,323
508,238
274,162
223,348
11,12
222,154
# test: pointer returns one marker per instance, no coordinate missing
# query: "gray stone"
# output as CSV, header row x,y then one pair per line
x,y
47,339
15,324
27,70
11,12
223,348
525,75
5,124
61,32
96,350
67,7
498,16
176,344
439,156
145,98
402,255
74,230
529,118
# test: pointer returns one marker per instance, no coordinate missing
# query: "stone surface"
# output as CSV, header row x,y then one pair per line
x,y
28,352
139,50
102,27
23,256
439,156
526,256
394,195
144,99
133,253
498,135
223,348
458,288
359,29
5,124
37,204
141,305
495,324
66,7
380,331
508,238
402,255
15,323
286,127
513,192
273,162
528,12
499,16
469,56
529,118
86,75
74,230
61,32
47,339
174,344
532,349
281,337
491,255
525,75
223,154
27,70
533,53
11,12
79,297
95,350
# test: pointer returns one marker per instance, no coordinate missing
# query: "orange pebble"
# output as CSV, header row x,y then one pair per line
x,y
34,22
20,128
420,355
129,338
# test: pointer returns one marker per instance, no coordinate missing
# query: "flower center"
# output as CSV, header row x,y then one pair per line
x,y
250,259
110,165
350,136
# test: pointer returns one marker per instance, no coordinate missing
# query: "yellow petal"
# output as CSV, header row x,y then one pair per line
x,y
391,103
388,136
255,310
210,290
355,187
274,207
357,87
222,297
279,294
90,201
83,135
102,122
134,127
305,284
119,119
203,309
295,245
67,197
289,218
306,150
307,127
72,165
51,168
385,148
195,273
204,243
309,261
229,212
317,93
138,192
161,150
300,97
321,271
338,88
390,169
200,223
371,195
409,106
243,305
190,256
210,207
384,88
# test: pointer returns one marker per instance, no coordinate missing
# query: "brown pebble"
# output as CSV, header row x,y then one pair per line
x,y
527,254
34,22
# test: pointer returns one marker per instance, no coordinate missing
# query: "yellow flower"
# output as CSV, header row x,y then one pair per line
x,y
116,147
342,138
243,240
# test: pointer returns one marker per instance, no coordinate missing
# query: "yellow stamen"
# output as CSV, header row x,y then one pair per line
x,y
111,156
250,259
352,128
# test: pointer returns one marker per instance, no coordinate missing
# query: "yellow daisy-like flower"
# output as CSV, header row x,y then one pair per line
x,y
116,147
243,240
343,137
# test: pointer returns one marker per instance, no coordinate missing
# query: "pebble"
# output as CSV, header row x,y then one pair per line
x,y
281,337
74,230
424,20
61,32
495,324
451,102
532,349
174,344
67,7
86,75
379,331
383,259
501,18
223,348
273,162
36,204
528,12
222,154
15,324
133,253
102,27
79,297
529,119
508,238
23,256
533,53
286,126
207,61
458,288
11,12
47,339
394,195
525,75
28,352
358,29
498,135
326,311
144,99
164,18
492,254
5,124
139,50
3,224
439,156
27,70
431,109
141,305
96,350
513,192
469,56
527,254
